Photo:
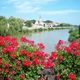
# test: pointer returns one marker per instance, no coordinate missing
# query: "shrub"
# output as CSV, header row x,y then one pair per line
x,y
74,34
67,61
23,60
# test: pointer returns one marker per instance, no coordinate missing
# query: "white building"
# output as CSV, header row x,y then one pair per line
x,y
41,24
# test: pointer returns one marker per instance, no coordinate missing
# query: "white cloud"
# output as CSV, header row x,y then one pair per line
x,y
28,6
36,6
59,12
42,1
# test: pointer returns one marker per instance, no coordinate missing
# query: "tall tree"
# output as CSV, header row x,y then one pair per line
x,y
28,23
15,23
3,21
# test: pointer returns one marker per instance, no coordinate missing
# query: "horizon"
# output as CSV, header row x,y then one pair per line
x,y
61,11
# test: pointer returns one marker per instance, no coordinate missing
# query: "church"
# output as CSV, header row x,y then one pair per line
x,y
41,24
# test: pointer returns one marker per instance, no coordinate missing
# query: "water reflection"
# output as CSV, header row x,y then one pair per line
x,y
50,38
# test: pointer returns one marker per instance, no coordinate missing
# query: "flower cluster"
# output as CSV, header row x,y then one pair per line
x,y
19,61
23,60
67,64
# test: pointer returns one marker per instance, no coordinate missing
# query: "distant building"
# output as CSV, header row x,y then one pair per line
x,y
41,24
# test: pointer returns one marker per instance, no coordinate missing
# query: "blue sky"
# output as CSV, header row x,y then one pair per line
x,y
67,11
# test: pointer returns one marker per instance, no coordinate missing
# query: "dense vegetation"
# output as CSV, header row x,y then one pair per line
x,y
74,34
13,25
25,60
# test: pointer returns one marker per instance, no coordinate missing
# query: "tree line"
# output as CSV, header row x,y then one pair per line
x,y
13,25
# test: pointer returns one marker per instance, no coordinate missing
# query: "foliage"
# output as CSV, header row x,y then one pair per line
x,y
28,23
67,63
74,34
12,25
15,23
3,21
48,21
24,59
65,24
33,21
21,61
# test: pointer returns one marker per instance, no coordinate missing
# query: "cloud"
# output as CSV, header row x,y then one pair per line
x,y
28,6
42,2
59,12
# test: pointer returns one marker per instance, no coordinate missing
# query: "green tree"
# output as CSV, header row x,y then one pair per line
x,y
33,21
48,21
3,25
3,21
28,23
64,24
15,23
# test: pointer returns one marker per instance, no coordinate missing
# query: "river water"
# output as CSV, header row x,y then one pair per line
x,y
50,38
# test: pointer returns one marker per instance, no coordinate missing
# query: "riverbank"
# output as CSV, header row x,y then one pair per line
x,y
30,31
33,30
47,28
26,30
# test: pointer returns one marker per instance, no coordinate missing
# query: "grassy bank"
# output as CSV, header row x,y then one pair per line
x,y
18,33
74,34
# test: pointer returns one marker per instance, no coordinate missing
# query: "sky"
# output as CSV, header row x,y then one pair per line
x,y
67,11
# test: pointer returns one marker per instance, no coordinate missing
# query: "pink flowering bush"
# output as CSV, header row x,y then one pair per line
x,y
67,63
22,60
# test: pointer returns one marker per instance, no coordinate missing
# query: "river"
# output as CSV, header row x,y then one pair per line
x,y
50,38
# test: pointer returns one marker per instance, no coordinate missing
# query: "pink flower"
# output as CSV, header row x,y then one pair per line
x,y
22,76
36,61
61,58
48,64
26,62
41,45
6,65
9,49
54,55
60,42
67,49
23,39
72,76
77,53
12,55
13,72
18,62
30,42
41,78
58,76
23,52
6,71
2,42
0,61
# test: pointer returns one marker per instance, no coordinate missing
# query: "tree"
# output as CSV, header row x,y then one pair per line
x,y
3,25
15,23
3,21
48,21
28,23
64,24
33,21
